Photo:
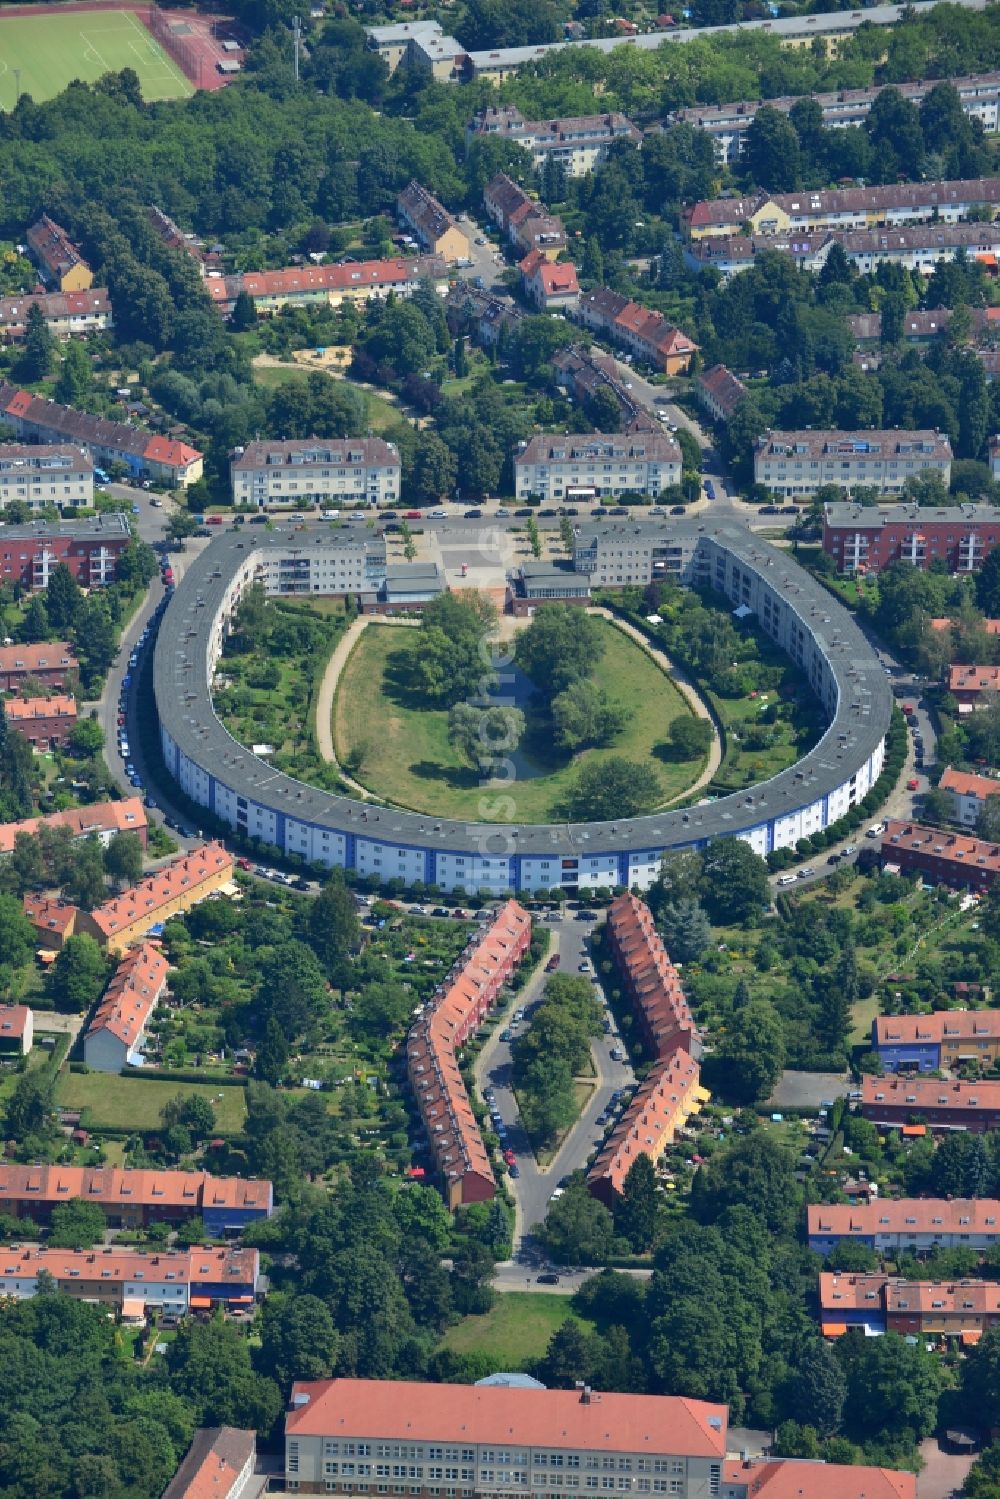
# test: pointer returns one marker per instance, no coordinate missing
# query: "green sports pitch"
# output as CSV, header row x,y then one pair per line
x,y
42,54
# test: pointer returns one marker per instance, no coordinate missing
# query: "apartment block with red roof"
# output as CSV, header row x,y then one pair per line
x,y
916,1225
145,454
941,1040
52,920
662,1106
46,722
650,979
133,1282
498,1435
131,1199
17,1029
646,333
171,891
944,858
550,285
449,1018
801,1478
970,685
51,662
100,819
876,1304
937,1103
116,1035
968,794
219,1464
328,285
719,391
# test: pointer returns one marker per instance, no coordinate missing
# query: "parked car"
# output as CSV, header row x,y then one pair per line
x,y
553,963
913,784
473,515
548,1278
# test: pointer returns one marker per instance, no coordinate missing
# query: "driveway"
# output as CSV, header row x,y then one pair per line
x,y
943,1474
807,1090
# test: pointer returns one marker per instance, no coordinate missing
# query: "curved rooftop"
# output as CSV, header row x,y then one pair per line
x,y
857,729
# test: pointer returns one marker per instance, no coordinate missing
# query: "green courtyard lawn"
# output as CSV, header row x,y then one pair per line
x,y
47,52
115,1102
408,759
744,764
516,1331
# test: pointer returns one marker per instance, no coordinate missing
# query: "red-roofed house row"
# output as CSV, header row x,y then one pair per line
x,y
116,1034
144,453
879,1303
131,1199
328,285
968,684
50,662
802,1478
650,979
918,1224
65,313
448,1020
945,1038
133,1281
663,1104
948,858
44,721
646,332
103,819
940,1103
170,891
968,793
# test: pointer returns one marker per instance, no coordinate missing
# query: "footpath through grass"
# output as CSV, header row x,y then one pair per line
x,y
407,758
517,1329
49,51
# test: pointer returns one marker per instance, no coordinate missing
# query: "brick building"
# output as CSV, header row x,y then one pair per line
x,y
869,538
131,1199
124,919
99,819
661,1106
453,1014
648,334
796,464
497,1435
46,722
941,857
90,548
49,474
116,1035
942,1040
941,1104
877,1304
56,256
968,794
51,662
328,285
918,1225
650,980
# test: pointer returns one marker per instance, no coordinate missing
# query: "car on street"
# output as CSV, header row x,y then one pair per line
x,y
807,873
507,1035
677,510
913,784
514,1171
548,1278
710,489
553,963
473,515
524,510
834,858
586,966
438,514
503,511
608,1027
509,1156
300,883
440,911
617,1054
243,864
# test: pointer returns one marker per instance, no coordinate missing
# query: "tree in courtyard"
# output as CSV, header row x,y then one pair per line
x,y
123,858
485,734
94,637
605,790
292,988
76,978
750,1055
84,885
819,1388
298,1340
583,714
333,927
635,1209
29,1109
26,862
988,585
690,737
547,1097
34,626
63,598
561,645
77,1225
685,928
190,1111
433,470
837,992
449,660
893,1386
734,881
771,152
272,1053
380,1011
244,314
39,346
86,738
209,1364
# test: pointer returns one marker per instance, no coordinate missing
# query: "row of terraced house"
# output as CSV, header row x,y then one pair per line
x,y
447,1021
671,1092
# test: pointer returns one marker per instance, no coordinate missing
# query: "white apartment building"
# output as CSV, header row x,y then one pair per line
x,y
578,143
594,466
381,1437
968,793
327,567
47,474
616,555
791,464
339,471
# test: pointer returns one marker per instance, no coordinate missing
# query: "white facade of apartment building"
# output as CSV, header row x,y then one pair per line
x,y
45,475
349,470
597,466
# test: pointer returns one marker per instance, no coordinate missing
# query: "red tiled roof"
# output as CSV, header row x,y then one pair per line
x,y
941,1025
933,844
974,679
157,890
23,709
965,784
926,1095
796,1478
169,450
659,1107
905,1215
13,1020
128,816
47,915
650,975
111,1186
131,996
399,1409
213,1464
220,1265
32,659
